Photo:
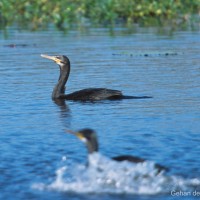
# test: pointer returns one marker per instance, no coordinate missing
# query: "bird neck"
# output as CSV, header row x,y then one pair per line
x,y
92,146
59,88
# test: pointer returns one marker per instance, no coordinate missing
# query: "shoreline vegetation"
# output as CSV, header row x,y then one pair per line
x,y
63,14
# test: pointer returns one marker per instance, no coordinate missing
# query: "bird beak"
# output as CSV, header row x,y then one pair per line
x,y
77,134
70,131
51,58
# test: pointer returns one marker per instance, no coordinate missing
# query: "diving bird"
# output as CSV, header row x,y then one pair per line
x,y
90,94
89,137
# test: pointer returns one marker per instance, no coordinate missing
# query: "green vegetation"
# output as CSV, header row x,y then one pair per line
x,y
36,14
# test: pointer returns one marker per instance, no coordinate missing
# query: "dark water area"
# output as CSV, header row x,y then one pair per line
x,y
40,161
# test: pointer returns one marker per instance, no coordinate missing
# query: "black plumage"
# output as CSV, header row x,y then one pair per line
x,y
89,137
90,94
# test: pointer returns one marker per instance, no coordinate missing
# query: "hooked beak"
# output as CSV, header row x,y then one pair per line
x,y
70,131
54,58
77,134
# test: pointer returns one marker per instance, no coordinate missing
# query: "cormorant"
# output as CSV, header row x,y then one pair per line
x,y
89,137
90,94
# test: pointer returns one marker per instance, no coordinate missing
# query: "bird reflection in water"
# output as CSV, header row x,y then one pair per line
x,y
65,112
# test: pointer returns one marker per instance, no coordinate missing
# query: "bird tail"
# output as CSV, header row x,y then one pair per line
x,y
137,97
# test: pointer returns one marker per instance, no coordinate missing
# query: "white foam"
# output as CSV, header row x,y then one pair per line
x,y
107,176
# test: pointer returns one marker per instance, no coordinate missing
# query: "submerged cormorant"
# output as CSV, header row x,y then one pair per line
x,y
90,94
88,136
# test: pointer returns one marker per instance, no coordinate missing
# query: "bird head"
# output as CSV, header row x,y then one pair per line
x,y
88,136
62,60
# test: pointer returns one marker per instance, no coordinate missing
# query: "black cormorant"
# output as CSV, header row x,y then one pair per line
x,y
90,94
89,137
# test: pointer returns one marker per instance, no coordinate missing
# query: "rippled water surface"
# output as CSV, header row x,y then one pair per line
x,y
40,161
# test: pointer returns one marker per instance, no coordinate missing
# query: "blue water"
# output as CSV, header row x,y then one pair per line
x,y
40,161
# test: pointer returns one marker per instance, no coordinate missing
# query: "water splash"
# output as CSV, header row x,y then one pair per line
x,y
107,176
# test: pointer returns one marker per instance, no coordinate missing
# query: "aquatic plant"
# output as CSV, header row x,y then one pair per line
x,y
65,13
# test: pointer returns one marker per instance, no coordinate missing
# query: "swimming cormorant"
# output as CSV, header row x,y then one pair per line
x,y
89,137
90,94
